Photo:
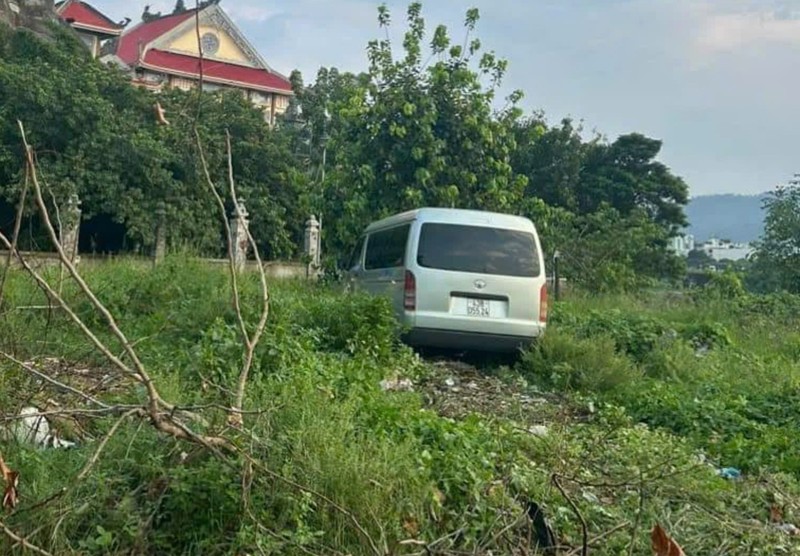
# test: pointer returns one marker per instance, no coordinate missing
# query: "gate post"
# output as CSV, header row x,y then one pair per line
x,y
311,245
70,234
161,234
239,227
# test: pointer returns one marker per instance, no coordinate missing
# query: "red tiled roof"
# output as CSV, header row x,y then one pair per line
x,y
145,33
215,71
85,16
168,62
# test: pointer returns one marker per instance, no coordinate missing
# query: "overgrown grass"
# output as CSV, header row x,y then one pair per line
x,y
723,373
319,418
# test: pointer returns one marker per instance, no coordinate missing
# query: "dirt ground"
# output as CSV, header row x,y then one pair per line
x,y
459,387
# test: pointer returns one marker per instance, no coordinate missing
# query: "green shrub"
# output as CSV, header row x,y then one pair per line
x,y
561,360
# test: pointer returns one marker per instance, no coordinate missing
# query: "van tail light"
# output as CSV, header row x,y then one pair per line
x,y
410,292
543,303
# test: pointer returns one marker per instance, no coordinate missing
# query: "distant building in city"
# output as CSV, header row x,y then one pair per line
x,y
93,27
163,52
721,250
682,245
717,249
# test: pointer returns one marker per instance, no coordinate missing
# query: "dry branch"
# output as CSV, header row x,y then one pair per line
x,y
22,541
160,413
30,369
153,396
250,342
578,514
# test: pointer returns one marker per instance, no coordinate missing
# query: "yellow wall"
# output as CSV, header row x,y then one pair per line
x,y
228,50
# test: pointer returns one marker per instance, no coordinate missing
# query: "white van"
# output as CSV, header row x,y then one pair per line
x,y
458,279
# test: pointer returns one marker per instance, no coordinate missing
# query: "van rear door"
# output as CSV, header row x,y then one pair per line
x,y
477,275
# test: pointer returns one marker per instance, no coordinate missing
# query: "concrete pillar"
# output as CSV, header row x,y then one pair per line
x,y
160,251
71,222
239,226
311,245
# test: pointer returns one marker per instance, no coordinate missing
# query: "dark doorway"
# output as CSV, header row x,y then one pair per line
x,y
100,235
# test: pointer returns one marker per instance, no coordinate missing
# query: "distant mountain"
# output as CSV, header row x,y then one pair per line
x,y
739,218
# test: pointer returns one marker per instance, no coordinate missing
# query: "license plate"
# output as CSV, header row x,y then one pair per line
x,y
477,307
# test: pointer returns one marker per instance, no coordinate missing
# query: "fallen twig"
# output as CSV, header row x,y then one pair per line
x,y
23,541
30,369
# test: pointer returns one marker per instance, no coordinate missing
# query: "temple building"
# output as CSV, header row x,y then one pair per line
x,y
93,27
163,51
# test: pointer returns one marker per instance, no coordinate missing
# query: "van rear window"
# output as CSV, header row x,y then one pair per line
x,y
478,249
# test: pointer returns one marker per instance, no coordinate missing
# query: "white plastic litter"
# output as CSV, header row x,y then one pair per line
x,y
34,429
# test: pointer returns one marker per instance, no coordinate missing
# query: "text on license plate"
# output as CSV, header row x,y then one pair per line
x,y
477,307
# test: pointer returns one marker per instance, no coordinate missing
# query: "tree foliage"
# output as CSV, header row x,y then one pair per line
x,y
613,206
180,7
97,136
421,126
421,129
777,257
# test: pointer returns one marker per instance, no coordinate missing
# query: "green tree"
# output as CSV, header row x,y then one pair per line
x,y
180,7
419,129
97,136
617,205
777,256
606,251
552,158
627,176
698,258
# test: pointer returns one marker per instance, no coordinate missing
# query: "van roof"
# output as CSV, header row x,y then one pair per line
x,y
454,216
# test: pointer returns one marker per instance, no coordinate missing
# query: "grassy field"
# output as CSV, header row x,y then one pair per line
x,y
622,417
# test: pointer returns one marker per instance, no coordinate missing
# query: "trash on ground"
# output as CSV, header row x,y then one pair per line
x,y
397,385
34,428
538,430
730,473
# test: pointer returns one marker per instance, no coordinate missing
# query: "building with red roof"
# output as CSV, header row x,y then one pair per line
x,y
93,27
164,51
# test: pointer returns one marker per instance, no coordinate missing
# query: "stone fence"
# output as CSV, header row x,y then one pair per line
x,y
239,226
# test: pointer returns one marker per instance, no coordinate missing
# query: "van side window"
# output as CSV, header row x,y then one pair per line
x,y
355,255
387,248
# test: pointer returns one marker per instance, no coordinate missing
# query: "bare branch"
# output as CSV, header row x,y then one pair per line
x,y
54,382
93,460
164,422
200,58
228,236
23,541
571,502
250,343
154,397
67,309
71,412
